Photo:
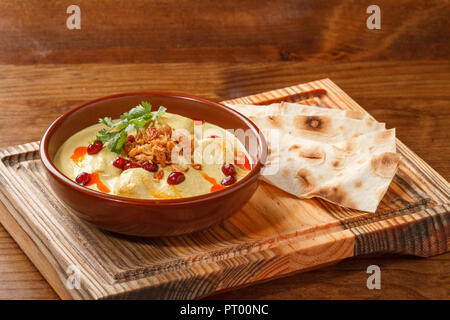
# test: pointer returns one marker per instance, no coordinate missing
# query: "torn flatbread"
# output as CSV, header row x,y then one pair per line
x,y
354,173
344,157
323,128
284,108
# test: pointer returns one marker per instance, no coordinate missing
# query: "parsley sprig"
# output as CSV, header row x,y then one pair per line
x,y
117,132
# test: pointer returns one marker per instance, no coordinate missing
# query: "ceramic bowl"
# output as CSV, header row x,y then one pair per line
x,y
139,217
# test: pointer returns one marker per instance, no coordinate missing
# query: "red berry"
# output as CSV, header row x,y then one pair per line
x,y
130,139
120,162
228,169
95,147
130,165
175,178
229,180
83,178
150,166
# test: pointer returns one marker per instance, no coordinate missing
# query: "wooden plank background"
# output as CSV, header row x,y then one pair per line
x,y
400,74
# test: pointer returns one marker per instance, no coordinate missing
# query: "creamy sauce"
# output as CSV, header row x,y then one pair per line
x,y
216,143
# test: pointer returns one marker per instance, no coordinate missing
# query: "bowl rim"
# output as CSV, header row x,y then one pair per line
x,y
59,176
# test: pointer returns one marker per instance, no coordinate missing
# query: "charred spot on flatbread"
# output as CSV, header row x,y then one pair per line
x,y
385,164
370,122
354,115
350,146
275,121
316,124
313,155
383,136
358,184
294,147
306,180
338,160
338,163
335,194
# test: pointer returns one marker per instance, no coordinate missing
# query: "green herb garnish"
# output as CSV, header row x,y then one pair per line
x,y
133,120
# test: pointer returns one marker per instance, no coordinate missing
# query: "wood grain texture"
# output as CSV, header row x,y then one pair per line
x,y
401,78
402,277
390,91
421,116
251,31
273,235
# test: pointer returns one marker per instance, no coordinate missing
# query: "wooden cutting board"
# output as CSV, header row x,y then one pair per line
x,y
275,234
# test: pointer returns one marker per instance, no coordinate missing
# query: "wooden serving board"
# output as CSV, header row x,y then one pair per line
x,y
274,234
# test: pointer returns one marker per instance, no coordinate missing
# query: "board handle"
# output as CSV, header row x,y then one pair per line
x,y
426,237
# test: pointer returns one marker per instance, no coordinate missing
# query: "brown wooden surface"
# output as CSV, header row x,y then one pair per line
x,y
124,31
273,235
400,74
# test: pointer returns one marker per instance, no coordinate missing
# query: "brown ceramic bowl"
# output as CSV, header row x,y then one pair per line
x,y
150,217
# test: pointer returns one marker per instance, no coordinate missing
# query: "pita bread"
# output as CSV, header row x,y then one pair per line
x,y
323,128
339,156
354,173
295,108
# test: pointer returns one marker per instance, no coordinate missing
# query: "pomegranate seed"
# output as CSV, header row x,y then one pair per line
x,y
229,180
150,166
130,139
120,162
130,165
83,178
175,178
228,169
214,136
95,147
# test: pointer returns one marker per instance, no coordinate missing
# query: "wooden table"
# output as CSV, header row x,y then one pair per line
x,y
400,74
